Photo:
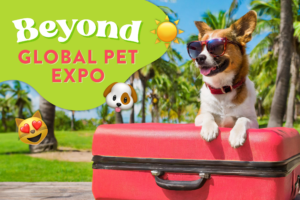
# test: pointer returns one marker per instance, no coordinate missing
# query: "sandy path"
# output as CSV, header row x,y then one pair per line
x,y
66,154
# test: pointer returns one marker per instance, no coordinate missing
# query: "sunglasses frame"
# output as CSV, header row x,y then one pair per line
x,y
225,40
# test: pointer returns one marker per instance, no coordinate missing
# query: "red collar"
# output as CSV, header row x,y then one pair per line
x,y
225,89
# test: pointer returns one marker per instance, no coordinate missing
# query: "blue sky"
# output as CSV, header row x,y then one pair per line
x,y
188,11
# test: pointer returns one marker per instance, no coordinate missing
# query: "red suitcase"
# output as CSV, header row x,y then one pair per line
x,y
172,161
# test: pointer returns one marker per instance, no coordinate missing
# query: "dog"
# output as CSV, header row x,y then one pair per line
x,y
227,95
120,96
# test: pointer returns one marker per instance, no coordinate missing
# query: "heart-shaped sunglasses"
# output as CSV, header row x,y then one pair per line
x,y
216,47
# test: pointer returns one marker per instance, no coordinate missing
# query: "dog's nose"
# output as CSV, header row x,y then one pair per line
x,y
119,104
201,59
32,131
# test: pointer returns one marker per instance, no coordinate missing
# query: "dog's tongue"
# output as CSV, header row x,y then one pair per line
x,y
118,109
205,71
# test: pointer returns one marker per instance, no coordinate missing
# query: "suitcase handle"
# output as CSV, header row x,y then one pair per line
x,y
179,185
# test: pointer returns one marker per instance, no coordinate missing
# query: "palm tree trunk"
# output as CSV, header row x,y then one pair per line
x,y
144,101
119,118
284,62
292,94
73,120
4,120
48,114
132,109
20,112
259,106
296,111
155,110
155,115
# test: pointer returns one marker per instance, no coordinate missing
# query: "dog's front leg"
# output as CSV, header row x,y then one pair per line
x,y
238,133
210,129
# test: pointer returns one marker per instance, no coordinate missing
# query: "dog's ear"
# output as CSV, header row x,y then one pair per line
x,y
202,28
18,121
108,89
133,94
244,27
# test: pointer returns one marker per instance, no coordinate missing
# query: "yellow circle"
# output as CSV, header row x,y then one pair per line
x,y
167,31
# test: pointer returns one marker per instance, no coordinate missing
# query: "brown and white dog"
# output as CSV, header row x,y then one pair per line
x,y
228,96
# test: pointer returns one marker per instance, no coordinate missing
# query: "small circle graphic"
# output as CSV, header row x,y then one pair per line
x,y
167,31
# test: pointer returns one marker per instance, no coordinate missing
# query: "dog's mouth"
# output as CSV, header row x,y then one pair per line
x,y
118,109
213,70
35,139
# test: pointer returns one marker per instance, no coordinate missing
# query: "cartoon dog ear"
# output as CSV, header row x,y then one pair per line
x,y
108,89
19,121
37,114
133,94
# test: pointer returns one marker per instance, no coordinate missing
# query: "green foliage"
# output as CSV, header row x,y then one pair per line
x,y
105,116
221,20
22,100
264,55
86,124
218,21
62,121
14,102
175,88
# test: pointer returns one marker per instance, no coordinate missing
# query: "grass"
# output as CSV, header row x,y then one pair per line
x,y
75,139
16,166
27,169
10,143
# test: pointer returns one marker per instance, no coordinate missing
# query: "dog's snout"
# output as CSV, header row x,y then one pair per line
x,y
32,131
119,104
201,59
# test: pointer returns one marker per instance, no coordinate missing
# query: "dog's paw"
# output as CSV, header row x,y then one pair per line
x,y
238,136
209,131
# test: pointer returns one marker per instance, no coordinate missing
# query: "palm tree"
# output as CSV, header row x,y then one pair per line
x,y
5,103
73,120
22,100
295,62
119,117
148,72
145,74
221,20
47,110
105,116
132,109
284,62
268,49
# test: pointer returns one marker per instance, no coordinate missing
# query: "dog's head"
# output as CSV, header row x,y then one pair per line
x,y
239,33
120,96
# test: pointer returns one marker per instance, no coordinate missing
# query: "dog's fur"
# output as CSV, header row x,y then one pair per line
x,y
116,93
236,108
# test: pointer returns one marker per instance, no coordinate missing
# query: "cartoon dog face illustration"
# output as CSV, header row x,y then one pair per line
x,y
120,96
